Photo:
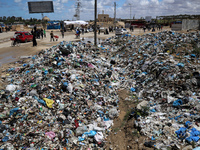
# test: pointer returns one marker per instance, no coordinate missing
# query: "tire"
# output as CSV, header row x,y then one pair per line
x,y
25,41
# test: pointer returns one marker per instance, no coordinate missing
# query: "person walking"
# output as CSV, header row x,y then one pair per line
x,y
34,39
52,36
144,28
41,33
82,30
44,33
63,33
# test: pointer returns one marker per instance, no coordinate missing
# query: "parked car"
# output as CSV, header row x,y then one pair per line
x,y
24,36
121,31
90,30
102,29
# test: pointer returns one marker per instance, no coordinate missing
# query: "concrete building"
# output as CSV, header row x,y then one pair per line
x,y
186,24
104,17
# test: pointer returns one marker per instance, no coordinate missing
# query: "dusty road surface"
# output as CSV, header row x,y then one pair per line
x,y
10,54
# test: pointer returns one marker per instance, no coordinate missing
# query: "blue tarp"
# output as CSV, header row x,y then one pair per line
x,y
53,25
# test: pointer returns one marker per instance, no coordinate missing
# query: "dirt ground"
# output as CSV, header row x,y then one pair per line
x,y
123,135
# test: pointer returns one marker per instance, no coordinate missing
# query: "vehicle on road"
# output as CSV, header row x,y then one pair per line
x,y
23,36
121,31
102,29
90,30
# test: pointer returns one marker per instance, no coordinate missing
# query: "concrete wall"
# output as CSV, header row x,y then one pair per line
x,y
176,27
190,24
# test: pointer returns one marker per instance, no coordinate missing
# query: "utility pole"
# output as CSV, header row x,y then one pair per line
x,y
78,5
130,10
114,15
95,23
42,17
130,14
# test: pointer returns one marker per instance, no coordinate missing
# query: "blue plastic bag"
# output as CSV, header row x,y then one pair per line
x,y
91,133
5,139
12,111
178,102
187,124
181,133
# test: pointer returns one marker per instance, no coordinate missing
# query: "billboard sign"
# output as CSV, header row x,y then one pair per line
x,y
40,7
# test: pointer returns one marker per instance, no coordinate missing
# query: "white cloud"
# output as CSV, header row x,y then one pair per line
x,y
17,1
64,1
154,2
144,2
168,1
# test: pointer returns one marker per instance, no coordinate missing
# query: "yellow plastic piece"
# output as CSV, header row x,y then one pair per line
x,y
49,102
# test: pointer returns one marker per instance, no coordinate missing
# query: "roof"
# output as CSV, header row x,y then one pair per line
x,y
79,22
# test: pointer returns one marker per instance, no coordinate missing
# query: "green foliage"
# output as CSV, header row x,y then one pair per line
x,y
126,117
31,21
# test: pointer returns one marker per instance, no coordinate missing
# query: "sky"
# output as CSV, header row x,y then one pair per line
x,y
126,9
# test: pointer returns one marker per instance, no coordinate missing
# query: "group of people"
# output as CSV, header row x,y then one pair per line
x,y
37,33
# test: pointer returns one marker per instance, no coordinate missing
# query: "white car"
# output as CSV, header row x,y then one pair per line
x,y
90,30
102,29
121,31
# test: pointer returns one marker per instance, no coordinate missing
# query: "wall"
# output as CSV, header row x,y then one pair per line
x,y
103,17
190,24
176,27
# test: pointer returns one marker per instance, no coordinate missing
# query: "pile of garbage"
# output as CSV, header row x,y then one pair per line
x,y
62,97
66,96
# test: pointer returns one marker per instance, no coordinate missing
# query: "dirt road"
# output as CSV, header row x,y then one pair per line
x,y
10,54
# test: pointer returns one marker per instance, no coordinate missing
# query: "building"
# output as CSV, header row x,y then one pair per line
x,y
104,17
133,22
148,18
45,18
185,24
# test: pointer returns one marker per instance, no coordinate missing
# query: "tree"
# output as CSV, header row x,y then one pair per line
x,y
4,18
